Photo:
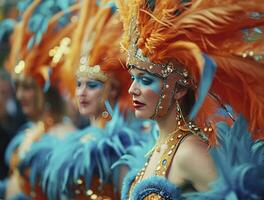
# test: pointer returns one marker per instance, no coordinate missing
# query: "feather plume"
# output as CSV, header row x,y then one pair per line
x,y
230,32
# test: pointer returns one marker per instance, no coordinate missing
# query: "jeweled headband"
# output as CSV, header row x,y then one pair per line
x,y
93,72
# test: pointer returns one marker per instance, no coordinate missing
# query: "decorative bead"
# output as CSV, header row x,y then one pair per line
x,y
167,86
89,192
179,136
244,55
205,129
158,168
79,181
210,129
170,152
94,196
185,74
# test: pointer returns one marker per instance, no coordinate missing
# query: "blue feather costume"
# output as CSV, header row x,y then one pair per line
x,y
239,162
68,168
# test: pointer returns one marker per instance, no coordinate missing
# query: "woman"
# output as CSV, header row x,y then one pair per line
x,y
172,48
35,72
80,166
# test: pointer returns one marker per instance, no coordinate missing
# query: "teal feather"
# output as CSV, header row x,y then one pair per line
x,y
239,162
205,84
95,156
6,27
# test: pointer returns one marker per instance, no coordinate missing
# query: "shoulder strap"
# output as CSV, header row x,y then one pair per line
x,y
168,155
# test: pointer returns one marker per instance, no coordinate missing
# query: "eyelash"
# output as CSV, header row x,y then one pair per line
x,y
90,85
143,80
146,81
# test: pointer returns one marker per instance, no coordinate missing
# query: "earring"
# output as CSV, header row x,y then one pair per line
x,y
105,114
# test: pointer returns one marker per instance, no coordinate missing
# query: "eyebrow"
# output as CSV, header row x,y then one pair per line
x,y
140,73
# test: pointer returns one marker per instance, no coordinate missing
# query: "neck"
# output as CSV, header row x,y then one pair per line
x,y
98,121
167,124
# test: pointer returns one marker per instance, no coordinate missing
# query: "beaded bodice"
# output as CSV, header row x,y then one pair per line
x,y
164,164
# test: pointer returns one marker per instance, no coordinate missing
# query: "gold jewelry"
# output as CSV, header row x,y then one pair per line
x,y
105,114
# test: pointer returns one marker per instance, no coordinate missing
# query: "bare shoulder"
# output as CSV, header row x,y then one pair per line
x,y
192,163
190,148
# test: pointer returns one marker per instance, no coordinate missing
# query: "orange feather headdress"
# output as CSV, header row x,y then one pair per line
x,y
168,36
95,51
41,62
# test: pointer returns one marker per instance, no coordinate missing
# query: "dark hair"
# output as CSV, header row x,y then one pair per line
x,y
187,102
55,104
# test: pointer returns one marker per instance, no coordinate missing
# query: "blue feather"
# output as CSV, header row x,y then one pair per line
x,y
15,142
88,153
239,162
205,84
158,185
6,27
3,184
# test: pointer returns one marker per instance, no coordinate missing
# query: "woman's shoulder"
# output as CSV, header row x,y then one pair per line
x,y
192,163
191,147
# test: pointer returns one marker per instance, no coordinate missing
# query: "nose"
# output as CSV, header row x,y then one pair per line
x,y
134,89
81,90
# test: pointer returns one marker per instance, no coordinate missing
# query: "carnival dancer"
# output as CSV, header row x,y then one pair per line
x,y
39,44
79,167
188,60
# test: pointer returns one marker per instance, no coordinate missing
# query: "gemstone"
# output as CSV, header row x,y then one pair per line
x,y
164,162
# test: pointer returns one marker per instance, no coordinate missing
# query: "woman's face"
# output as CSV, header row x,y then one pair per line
x,y
89,95
30,98
145,91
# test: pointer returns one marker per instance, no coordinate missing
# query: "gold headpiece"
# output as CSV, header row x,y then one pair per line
x,y
195,36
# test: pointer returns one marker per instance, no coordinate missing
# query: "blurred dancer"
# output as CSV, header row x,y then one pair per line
x,y
39,44
80,166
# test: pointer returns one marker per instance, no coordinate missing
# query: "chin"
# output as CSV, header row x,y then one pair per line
x,y
86,112
142,115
